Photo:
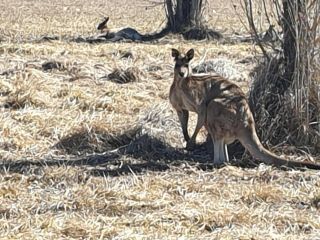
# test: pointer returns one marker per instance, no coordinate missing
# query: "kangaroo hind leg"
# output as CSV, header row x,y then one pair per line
x,y
220,152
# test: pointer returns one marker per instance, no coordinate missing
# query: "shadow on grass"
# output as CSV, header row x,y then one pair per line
x,y
133,152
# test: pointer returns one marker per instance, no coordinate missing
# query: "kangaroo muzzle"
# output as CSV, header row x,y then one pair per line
x,y
183,73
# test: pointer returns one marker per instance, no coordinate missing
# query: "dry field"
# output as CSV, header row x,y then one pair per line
x,y
84,156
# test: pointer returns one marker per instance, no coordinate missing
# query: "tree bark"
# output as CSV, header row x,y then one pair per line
x,y
289,44
184,14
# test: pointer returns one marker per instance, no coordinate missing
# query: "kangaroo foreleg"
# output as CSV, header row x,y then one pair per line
x,y
210,145
184,117
200,123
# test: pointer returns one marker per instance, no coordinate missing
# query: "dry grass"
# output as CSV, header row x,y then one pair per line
x,y
83,156
182,202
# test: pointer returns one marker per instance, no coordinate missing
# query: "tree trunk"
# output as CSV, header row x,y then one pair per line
x,y
184,14
289,43
297,49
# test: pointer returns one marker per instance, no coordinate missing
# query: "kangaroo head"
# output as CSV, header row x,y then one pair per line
x,y
181,67
103,25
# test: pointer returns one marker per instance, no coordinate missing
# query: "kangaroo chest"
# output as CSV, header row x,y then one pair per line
x,y
187,96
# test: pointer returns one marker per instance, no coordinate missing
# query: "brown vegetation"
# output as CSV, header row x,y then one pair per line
x,y
85,157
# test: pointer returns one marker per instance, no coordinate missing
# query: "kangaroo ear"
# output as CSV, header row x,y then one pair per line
x,y
190,54
175,53
107,19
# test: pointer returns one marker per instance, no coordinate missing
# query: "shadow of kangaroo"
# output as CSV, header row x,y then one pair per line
x,y
126,33
223,109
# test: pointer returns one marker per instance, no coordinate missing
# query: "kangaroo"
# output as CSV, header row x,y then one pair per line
x,y
186,95
125,33
223,109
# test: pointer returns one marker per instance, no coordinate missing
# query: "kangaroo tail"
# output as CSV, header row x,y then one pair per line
x,y
251,142
155,36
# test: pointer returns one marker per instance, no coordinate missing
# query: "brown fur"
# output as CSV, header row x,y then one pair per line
x,y
222,108
125,33
103,25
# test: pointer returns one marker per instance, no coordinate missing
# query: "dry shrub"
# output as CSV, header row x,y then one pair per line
x,y
276,116
153,68
285,95
49,65
221,65
74,232
123,54
24,91
131,74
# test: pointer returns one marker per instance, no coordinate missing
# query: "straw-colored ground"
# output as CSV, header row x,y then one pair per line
x,y
85,157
